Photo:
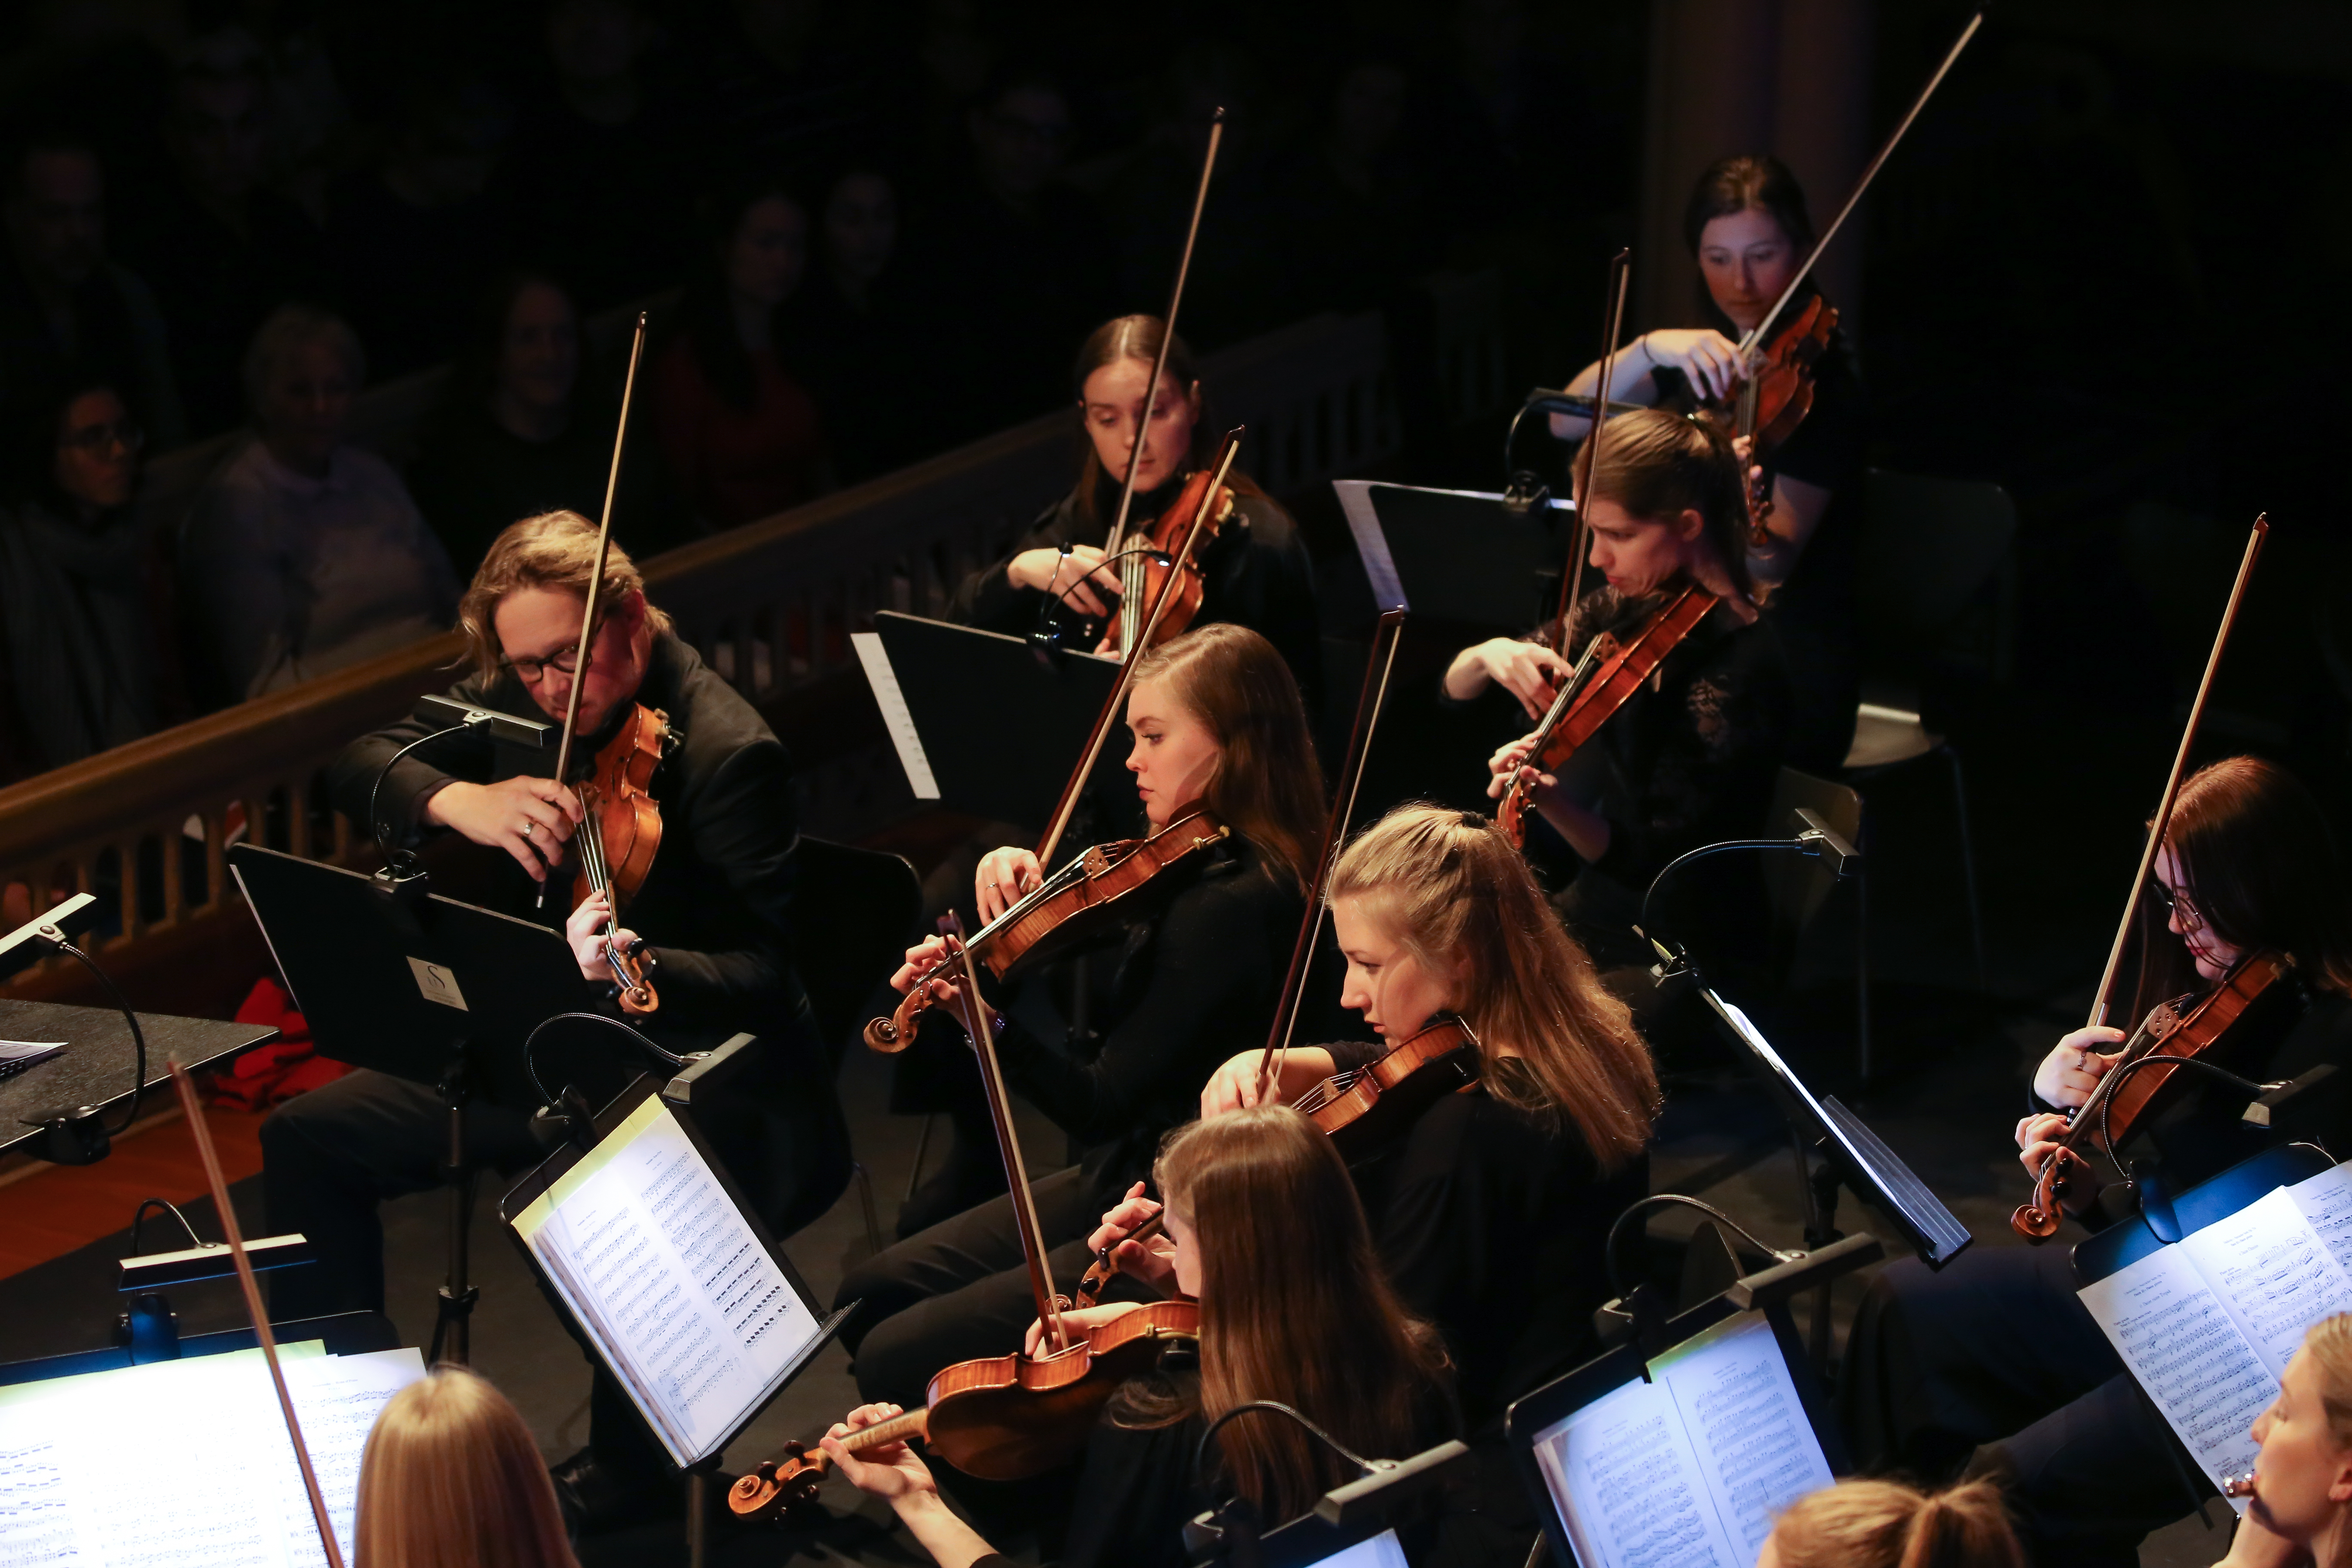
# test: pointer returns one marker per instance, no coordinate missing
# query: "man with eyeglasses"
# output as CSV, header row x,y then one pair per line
x,y
715,910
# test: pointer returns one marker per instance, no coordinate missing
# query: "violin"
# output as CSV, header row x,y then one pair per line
x,y
1146,570
1364,1108
2122,1102
1774,398
1065,909
619,834
2166,1030
998,1418
1605,678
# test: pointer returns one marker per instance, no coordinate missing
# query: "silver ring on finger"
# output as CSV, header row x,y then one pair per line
x,y
528,828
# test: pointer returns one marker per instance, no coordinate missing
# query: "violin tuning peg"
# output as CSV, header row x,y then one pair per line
x,y
767,1471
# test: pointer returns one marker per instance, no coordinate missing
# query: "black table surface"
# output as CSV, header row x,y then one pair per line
x,y
94,1068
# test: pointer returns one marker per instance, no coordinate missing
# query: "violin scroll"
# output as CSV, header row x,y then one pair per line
x,y
778,1486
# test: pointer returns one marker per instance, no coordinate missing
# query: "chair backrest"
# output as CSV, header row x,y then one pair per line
x,y
854,915
1929,548
1796,885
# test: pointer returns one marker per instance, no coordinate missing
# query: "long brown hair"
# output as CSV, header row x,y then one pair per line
x,y
1138,338
2258,859
556,551
1885,1524
452,1478
1295,1307
1447,887
1656,465
1268,785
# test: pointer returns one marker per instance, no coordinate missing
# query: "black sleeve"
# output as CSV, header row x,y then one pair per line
x,y
1826,449
987,599
467,755
1133,1497
1209,964
1347,1055
744,824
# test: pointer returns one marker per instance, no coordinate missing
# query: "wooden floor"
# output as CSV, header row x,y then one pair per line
x,y
58,1208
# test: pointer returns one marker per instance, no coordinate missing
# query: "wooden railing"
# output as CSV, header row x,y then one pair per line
x,y
770,604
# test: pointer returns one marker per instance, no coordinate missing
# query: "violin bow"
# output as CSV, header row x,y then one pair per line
x,y
1951,57
1612,323
1131,573
1377,665
1060,821
194,1111
2162,822
596,579
1017,1169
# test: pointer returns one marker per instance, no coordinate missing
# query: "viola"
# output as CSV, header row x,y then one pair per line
x,y
2122,1101
619,834
1608,674
1364,1108
1147,569
1068,909
983,1416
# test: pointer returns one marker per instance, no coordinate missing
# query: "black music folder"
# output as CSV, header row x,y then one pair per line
x,y
1459,557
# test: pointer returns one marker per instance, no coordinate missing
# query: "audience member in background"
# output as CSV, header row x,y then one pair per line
x,y
740,434
1885,1524
452,1478
67,312
221,250
79,596
1018,259
411,241
595,181
782,83
852,332
1356,198
517,436
303,554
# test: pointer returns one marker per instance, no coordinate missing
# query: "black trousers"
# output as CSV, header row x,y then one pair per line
x,y
1994,1367
961,1290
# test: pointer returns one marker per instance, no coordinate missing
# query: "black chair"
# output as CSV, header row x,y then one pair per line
x,y
855,912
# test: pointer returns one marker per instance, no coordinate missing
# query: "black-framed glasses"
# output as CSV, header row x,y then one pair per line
x,y
531,671
2178,904
98,439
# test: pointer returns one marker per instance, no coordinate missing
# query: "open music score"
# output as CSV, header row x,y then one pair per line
x,y
186,1464
1688,1465
2207,1324
660,1270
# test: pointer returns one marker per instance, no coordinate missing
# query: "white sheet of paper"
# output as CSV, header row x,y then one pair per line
x,y
2272,1273
895,715
2325,1201
1755,1443
2173,1331
1624,1476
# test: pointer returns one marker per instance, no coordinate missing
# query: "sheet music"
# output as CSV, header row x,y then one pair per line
x,y
214,1486
895,714
1627,1481
2325,1201
659,1266
2272,1272
2173,1331
1754,1442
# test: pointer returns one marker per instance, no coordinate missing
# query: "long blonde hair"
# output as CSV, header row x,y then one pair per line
x,y
1885,1524
1447,887
452,1480
1295,1307
2327,1344
1268,785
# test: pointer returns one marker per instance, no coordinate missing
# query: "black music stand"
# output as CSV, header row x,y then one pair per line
x,y
1460,554
985,724
427,989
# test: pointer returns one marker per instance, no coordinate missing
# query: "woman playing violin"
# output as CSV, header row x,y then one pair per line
x,y
1995,1353
1216,722
1691,757
1492,1212
1255,572
1748,229
1264,1231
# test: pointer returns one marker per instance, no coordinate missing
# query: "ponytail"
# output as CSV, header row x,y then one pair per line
x,y
1885,1524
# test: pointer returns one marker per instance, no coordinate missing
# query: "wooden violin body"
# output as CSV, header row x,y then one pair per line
x,y
2114,1113
1777,396
1367,1107
1000,1418
1142,586
1623,667
620,832
1070,908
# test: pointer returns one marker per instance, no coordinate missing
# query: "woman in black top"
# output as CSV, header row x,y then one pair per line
x,y
1693,756
1994,1361
1748,227
1255,573
1216,721
1265,1232
1493,1212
